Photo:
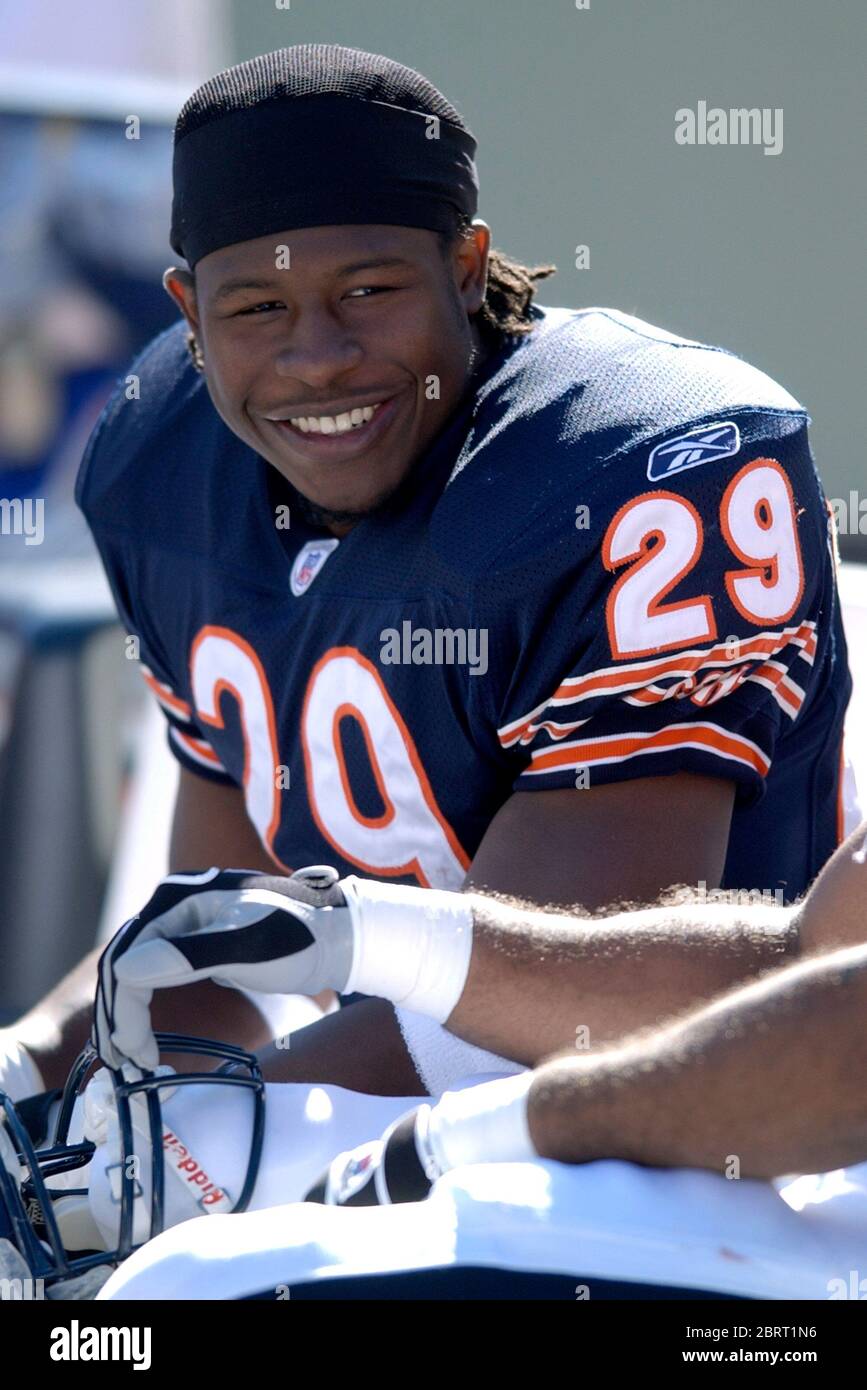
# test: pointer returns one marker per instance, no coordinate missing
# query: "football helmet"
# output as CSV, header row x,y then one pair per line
x,y
34,1214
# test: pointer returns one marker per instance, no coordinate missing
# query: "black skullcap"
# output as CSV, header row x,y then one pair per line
x,y
317,135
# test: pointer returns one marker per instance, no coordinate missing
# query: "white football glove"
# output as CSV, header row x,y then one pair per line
x,y
295,935
19,1075
480,1124
236,927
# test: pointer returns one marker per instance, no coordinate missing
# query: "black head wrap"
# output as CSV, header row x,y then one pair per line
x,y
317,135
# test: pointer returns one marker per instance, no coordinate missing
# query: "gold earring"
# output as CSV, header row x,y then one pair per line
x,y
195,352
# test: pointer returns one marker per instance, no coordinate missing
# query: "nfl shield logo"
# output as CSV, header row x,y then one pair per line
x,y
357,1171
308,562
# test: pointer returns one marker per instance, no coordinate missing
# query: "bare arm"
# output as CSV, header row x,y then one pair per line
x,y
541,981
361,1048
211,826
535,978
538,977
771,1076
624,842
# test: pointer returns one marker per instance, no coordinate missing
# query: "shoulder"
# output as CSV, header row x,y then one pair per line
x,y
584,391
663,369
149,442
597,370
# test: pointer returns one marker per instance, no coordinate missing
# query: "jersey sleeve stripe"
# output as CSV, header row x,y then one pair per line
x,y
197,749
166,696
808,653
705,736
649,695
775,678
640,676
556,729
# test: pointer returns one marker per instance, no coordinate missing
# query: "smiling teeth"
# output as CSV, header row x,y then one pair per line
x,y
334,424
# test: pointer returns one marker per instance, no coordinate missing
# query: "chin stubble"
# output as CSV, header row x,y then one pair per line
x,y
326,517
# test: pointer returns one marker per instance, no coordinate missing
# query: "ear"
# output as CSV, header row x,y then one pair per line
x,y
471,265
179,284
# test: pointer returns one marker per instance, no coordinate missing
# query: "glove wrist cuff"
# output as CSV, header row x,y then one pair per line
x,y
410,945
483,1124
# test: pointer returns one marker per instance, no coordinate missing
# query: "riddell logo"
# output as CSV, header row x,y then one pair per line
x,y
702,445
210,1196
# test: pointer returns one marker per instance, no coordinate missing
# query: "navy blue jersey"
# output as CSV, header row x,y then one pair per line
x,y
613,563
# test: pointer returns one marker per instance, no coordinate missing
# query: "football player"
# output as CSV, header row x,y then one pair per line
x,y
435,584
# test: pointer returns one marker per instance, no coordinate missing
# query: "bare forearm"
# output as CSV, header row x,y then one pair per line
x,y
768,1080
541,981
360,1048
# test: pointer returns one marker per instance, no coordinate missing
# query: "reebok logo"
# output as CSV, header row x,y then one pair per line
x,y
689,450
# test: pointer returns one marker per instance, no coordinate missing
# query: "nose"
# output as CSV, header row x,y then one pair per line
x,y
319,349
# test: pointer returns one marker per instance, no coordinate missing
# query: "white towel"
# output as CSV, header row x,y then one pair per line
x,y
442,1060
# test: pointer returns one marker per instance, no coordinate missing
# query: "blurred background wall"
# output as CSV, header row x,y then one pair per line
x,y
84,213
574,110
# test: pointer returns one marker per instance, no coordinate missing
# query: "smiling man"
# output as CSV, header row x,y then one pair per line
x,y
360,393
364,426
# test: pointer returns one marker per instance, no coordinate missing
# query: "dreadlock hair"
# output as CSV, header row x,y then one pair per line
x,y
511,287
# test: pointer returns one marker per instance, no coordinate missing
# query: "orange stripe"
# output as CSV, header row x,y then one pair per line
x,y
550,726
197,746
165,695
784,691
576,688
626,746
650,695
685,663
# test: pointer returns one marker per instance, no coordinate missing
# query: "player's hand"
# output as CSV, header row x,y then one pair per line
x,y
399,1167
295,935
236,927
486,1123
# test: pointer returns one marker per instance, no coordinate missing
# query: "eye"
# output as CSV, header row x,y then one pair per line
x,y
267,305
366,290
